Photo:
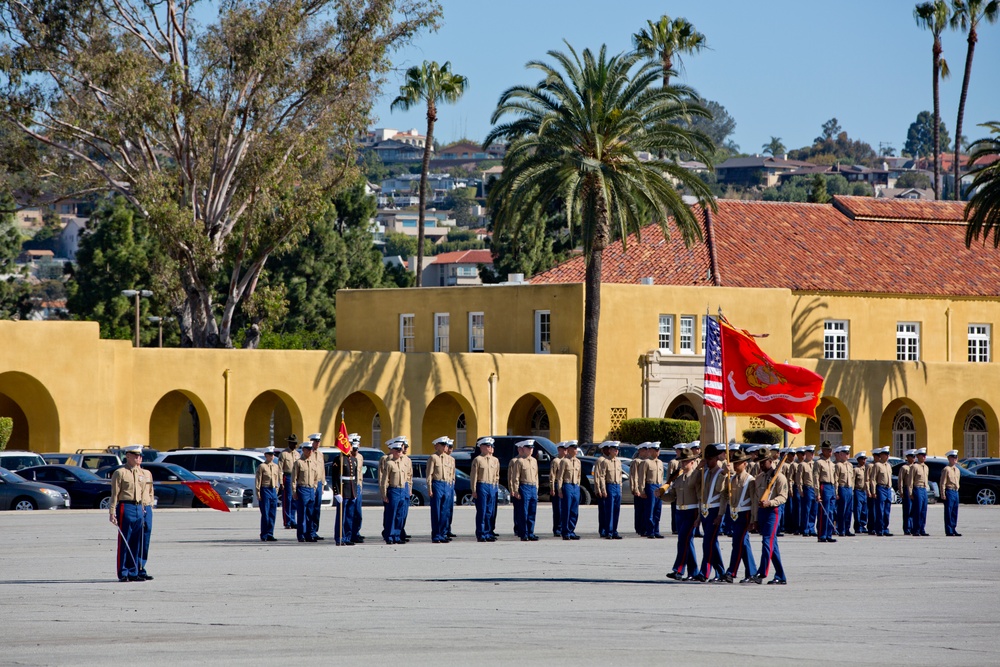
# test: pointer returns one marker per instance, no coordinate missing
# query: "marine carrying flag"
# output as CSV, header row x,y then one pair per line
x,y
208,496
343,444
754,384
713,365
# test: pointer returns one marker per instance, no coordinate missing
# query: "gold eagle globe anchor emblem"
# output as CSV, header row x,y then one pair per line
x,y
763,375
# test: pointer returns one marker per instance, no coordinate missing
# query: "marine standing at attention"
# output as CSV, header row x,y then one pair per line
x,y
570,475
920,476
860,493
951,480
608,487
319,465
440,489
522,481
286,461
267,481
304,490
128,485
392,487
553,492
767,501
485,478
640,501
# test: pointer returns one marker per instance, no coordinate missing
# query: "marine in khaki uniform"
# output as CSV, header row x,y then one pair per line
x,y
739,504
844,481
608,489
810,507
408,464
128,489
882,478
792,474
319,464
653,476
522,482
766,510
682,489
860,493
568,488
392,479
639,499
441,488
553,492
824,480
286,460
948,486
903,483
304,490
148,501
711,483
917,490
484,476
681,450
267,482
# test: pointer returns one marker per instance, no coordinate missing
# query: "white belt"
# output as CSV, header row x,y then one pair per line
x,y
347,479
711,505
688,507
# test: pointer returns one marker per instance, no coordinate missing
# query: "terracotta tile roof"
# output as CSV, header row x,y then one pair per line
x,y
464,257
857,245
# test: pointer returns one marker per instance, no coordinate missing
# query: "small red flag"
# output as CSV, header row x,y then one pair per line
x,y
207,495
343,444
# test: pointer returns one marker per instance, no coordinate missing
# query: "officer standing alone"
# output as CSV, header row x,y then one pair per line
x,y
948,487
267,481
128,485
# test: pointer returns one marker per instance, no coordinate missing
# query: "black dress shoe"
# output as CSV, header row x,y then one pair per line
x,y
146,577
715,580
126,578
925,534
318,538
310,539
777,582
757,579
616,537
848,534
746,580
956,534
358,539
576,537
451,534
675,576
699,578
491,539
480,539
524,539
831,539
301,540
887,534
135,577
533,538
567,538
726,578
658,536
271,538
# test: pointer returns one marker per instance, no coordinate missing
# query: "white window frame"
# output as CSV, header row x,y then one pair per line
x,y
477,343
704,332
407,332
685,335
836,334
666,334
975,441
904,432
442,332
543,340
907,341
979,343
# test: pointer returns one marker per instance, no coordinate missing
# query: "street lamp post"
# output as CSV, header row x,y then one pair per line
x,y
159,321
137,293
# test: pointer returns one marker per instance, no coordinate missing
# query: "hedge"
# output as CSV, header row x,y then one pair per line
x,y
762,436
668,432
6,427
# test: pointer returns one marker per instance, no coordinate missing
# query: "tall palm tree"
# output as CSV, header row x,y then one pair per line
x,y
433,84
983,210
666,39
774,147
934,17
575,139
967,16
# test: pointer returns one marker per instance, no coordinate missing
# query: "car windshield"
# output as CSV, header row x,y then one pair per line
x,y
181,473
11,477
461,475
85,475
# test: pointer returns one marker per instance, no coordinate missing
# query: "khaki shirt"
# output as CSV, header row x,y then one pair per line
x,y
128,486
882,474
742,494
408,468
485,470
304,474
920,476
753,467
792,474
860,478
711,484
522,471
823,473
904,479
779,492
148,494
554,474
319,463
684,490
806,474
441,468
607,470
569,472
950,479
844,474
268,476
391,475
870,478
651,472
287,459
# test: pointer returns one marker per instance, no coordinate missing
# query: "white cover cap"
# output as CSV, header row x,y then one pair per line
x,y
952,452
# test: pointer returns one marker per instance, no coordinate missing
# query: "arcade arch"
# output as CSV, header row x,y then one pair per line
x,y
179,419
535,415
366,414
443,416
270,418
29,404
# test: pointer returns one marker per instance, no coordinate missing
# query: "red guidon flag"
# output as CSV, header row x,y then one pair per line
x,y
209,497
785,422
343,444
754,384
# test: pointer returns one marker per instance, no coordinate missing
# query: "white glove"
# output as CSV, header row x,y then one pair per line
x,y
339,498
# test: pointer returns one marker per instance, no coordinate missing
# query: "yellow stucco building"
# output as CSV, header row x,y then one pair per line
x,y
881,298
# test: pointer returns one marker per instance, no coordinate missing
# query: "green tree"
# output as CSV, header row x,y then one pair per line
x,y
774,147
116,253
920,136
914,179
575,137
430,84
837,184
12,287
983,210
719,127
831,129
817,190
934,16
228,132
530,251
404,245
668,40
967,16
862,189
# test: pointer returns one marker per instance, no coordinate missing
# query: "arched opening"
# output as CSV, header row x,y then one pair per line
x,y
534,415
461,432
688,406
442,417
365,414
833,423
831,429
975,433
902,427
36,419
270,419
179,419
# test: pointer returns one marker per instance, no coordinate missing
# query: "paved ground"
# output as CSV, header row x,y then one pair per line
x,y
222,597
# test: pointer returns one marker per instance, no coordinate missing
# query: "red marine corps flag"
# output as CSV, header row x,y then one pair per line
x,y
343,444
754,384
208,496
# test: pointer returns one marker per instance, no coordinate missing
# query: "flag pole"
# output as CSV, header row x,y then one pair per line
x,y
340,508
725,425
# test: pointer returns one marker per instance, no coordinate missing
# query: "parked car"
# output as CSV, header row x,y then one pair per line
x,y
86,489
973,488
973,463
986,469
463,483
18,493
223,464
88,459
14,460
171,491
626,451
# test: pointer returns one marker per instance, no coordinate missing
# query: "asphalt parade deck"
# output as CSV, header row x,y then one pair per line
x,y
221,597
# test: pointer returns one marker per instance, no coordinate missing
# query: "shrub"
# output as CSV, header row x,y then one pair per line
x,y
762,436
668,432
6,427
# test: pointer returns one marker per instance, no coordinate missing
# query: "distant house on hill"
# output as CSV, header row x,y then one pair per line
x,y
757,170
456,268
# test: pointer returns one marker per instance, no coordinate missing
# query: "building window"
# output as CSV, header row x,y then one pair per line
x,y
904,434
835,339
540,422
461,433
477,332
686,412
406,333
687,334
907,341
441,327
979,343
666,339
831,428
377,431
543,332
975,434
704,332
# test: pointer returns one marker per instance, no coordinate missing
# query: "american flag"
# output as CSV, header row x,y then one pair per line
x,y
713,364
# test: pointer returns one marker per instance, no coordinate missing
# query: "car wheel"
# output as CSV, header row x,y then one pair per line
x,y
104,503
896,500
416,500
24,504
585,497
467,500
986,497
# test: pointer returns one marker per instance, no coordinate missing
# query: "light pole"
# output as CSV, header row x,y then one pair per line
x,y
159,321
145,293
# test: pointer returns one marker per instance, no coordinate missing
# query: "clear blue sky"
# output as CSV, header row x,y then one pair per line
x,y
780,67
